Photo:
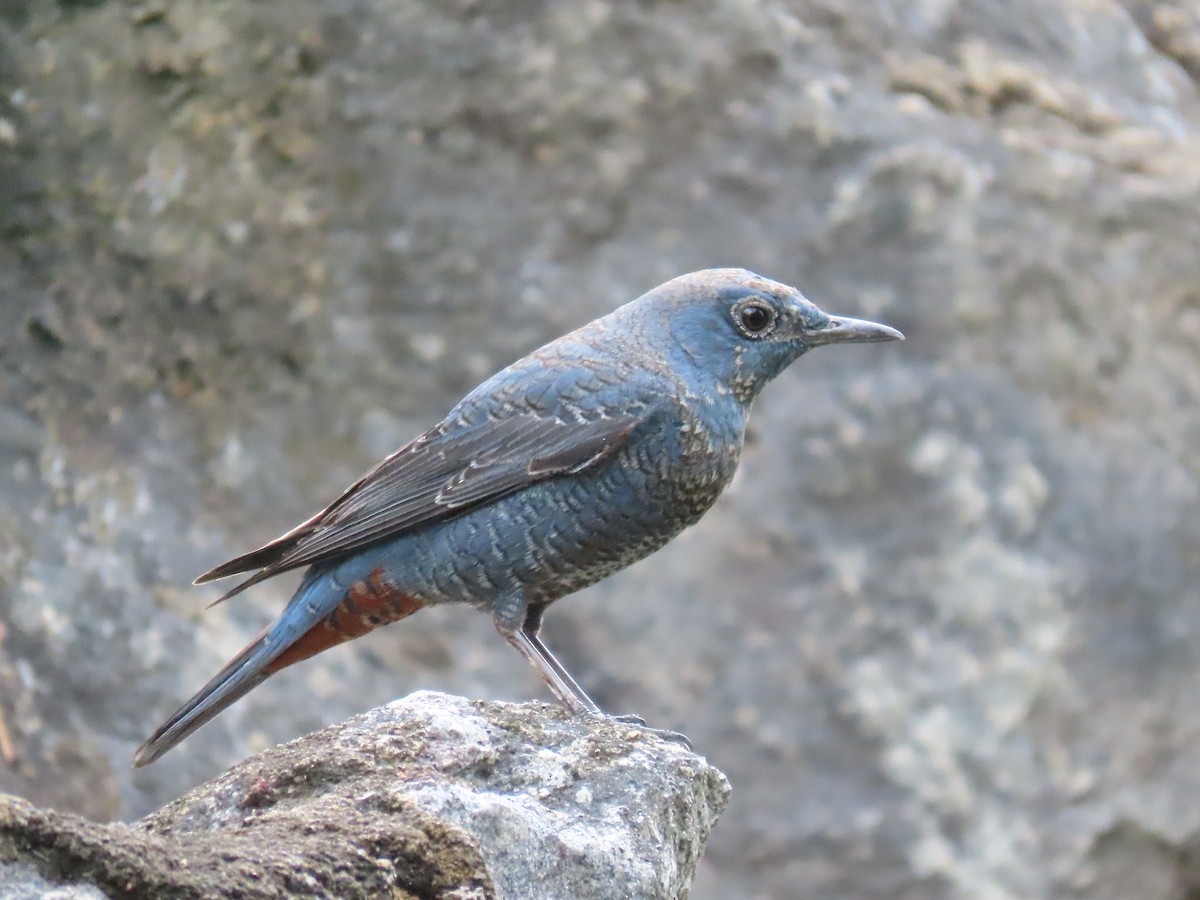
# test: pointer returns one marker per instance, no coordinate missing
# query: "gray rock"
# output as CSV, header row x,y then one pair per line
x,y
23,881
430,796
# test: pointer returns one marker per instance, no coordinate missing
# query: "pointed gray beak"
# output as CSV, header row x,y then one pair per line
x,y
844,330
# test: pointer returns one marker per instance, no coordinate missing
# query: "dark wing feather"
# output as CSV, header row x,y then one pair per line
x,y
439,475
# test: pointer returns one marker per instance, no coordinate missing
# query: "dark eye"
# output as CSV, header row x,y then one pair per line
x,y
754,318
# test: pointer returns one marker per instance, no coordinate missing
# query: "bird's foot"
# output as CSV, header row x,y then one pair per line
x,y
674,737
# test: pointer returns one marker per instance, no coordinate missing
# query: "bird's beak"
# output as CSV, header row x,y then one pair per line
x,y
844,330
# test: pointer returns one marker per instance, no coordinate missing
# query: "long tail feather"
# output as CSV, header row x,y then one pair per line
x,y
245,671
322,613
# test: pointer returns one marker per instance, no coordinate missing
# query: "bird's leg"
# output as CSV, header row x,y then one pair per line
x,y
509,615
529,630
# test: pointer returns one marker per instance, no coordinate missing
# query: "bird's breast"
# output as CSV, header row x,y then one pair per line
x,y
706,459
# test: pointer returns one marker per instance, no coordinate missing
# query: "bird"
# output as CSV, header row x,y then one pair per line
x,y
575,461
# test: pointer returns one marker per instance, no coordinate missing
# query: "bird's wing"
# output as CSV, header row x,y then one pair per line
x,y
439,475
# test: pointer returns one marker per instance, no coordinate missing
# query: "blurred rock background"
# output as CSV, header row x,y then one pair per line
x,y
942,633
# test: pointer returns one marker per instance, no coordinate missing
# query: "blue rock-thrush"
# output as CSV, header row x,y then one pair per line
x,y
568,465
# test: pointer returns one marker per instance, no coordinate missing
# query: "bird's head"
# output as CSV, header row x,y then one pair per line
x,y
743,329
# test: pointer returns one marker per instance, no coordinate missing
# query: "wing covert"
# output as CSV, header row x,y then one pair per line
x,y
443,473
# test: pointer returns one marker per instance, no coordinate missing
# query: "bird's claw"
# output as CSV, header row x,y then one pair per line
x,y
630,719
638,722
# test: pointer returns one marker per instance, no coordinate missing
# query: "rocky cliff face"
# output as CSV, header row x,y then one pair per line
x,y
941,633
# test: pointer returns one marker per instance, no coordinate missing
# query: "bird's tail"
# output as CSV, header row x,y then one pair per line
x,y
322,613
245,671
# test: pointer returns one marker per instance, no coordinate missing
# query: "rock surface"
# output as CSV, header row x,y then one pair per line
x,y
942,631
430,796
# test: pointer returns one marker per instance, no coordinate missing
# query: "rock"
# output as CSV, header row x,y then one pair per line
x,y
429,796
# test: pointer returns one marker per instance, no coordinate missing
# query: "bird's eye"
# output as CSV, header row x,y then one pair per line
x,y
754,318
